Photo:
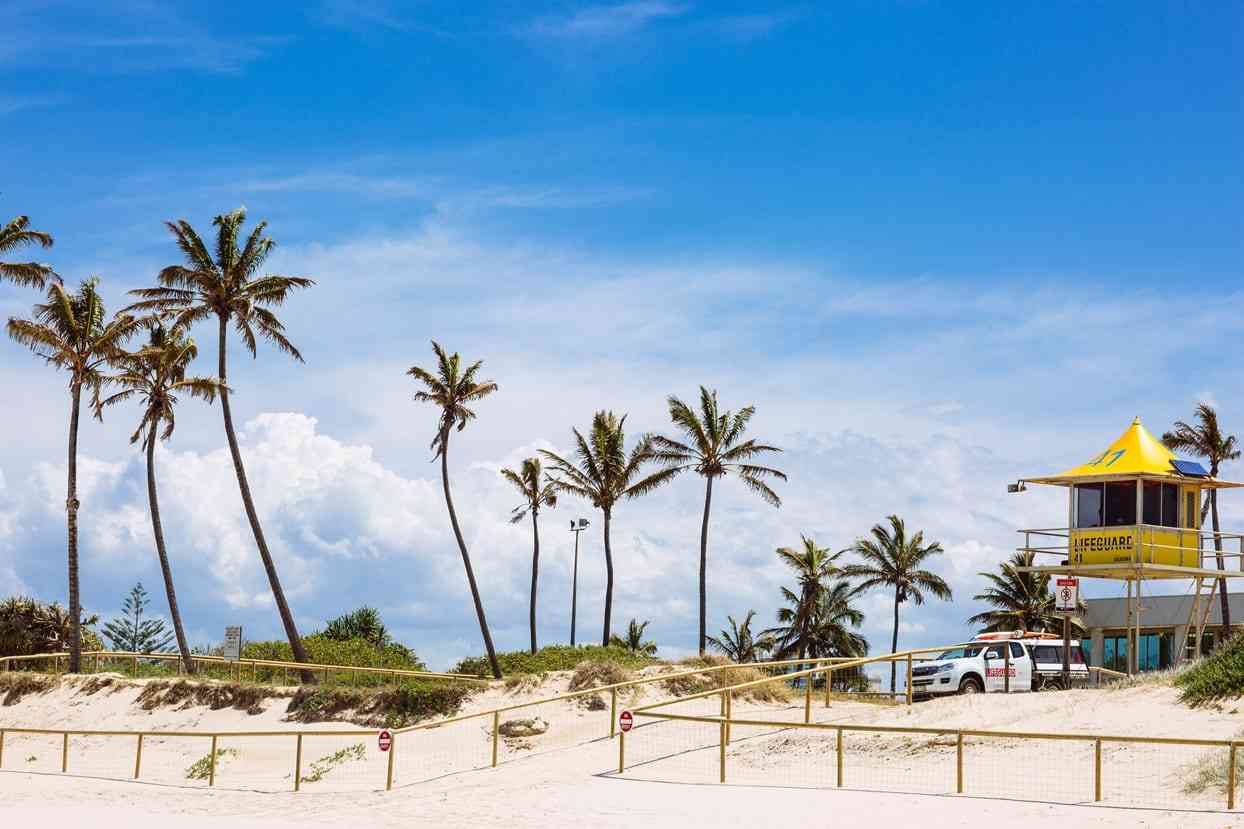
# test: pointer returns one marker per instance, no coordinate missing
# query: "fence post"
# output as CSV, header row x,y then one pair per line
x,y
621,752
909,678
959,764
1097,770
211,767
388,775
135,658
1231,779
839,753
807,699
496,735
138,758
829,685
298,764
729,713
1,748
721,742
64,754
613,711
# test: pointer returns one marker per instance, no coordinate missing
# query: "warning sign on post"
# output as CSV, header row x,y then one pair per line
x,y
1066,595
233,644
385,740
625,721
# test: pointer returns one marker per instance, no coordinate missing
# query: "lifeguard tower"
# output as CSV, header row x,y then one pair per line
x,y
1134,514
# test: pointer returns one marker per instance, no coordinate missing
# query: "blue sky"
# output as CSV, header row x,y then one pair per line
x,y
938,245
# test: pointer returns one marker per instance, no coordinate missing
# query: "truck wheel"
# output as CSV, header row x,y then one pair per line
x,y
970,685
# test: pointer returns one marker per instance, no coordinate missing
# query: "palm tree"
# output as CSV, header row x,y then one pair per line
x,y
451,388
17,234
70,332
537,492
230,287
634,641
1206,440
835,622
604,475
739,644
714,448
155,376
1020,599
891,559
813,567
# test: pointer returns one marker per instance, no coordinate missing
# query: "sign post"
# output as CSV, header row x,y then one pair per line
x,y
233,644
1066,602
626,721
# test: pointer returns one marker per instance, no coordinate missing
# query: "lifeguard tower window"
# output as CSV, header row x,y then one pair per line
x,y
1105,505
1161,504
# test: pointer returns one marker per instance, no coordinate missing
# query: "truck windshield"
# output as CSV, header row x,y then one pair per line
x,y
962,652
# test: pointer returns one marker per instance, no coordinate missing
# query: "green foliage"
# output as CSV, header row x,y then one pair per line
x,y
14,236
28,627
1218,676
364,623
133,633
555,658
739,643
634,641
201,769
325,764
324,650
391,707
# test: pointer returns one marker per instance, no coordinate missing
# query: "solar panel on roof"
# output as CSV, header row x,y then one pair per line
x,y
1190,468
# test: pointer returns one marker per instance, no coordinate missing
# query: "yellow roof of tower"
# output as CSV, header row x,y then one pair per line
x,y
1135,453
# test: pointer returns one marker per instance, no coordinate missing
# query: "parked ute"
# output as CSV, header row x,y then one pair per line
x,y
981,666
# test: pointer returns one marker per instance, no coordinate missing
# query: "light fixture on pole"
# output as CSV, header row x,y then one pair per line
x,y
576,527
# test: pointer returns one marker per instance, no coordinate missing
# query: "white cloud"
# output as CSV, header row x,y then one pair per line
x,y
606,21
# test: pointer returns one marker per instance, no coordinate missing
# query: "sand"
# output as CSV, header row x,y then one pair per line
x,y
568,775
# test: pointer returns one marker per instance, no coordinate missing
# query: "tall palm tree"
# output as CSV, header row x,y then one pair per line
x,y
155,376
1020,599
70,331
738,643
891,559
1207,440
836,621
451,388
714,448
228,285
813,567
538,491
17,234
605,474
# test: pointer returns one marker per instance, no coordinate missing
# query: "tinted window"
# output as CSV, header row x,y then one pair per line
x,y
1088,505
1120,504
994,652
1153,503
1016,650
1170,505
1045,653
1161,506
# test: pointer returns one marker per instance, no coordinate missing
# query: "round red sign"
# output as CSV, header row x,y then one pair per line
x,y
625,721
386,740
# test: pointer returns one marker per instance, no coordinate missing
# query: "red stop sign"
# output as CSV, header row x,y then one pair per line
x,y
625,721
386,740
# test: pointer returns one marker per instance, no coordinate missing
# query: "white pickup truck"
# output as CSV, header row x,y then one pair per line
x,y
1035,663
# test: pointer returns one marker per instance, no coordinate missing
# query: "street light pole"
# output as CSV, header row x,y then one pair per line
x,y
576,527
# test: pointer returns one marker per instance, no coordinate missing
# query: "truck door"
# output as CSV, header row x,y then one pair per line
x,y
995,669
1021,668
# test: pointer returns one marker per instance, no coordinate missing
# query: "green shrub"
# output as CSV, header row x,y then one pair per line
x,y
394,707
201,769
553,658
1218,676
325,764
327,651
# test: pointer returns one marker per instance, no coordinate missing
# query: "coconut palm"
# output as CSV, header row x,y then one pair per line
x,y
71,332
1206,440
738,643
836,621
605,474
814,566
1021,600
893,560
155,377
634,641
17,234
451,388
714,448
538,491
228,285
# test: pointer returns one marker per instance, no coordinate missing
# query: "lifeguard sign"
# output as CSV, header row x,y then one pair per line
x,y
1134,513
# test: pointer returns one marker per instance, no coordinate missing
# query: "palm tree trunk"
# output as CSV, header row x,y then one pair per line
x,y
608,582
894,644
71,510
535,574
466,559
287,618
1224,605
158,531
708,501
